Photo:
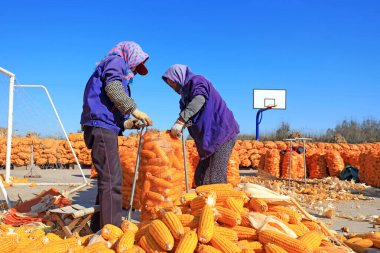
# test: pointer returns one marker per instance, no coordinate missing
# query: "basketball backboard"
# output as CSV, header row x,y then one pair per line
x,y
274,98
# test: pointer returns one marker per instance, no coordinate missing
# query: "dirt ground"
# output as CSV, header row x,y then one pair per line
x,y
357,210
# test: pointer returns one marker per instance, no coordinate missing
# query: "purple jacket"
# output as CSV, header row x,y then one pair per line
x,y
214,124
98,109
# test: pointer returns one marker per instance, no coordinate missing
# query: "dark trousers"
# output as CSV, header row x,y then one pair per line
x,y
213,170
105,157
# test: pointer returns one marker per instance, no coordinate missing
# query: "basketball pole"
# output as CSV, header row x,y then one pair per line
x,y
259,117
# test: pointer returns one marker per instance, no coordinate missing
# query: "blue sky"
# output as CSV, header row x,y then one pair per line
x,y
326,54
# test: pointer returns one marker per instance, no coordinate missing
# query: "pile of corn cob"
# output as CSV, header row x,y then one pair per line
x,y
361,242
214,218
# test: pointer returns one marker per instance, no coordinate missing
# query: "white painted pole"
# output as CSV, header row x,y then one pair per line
x,y
9,134
59,120
10,123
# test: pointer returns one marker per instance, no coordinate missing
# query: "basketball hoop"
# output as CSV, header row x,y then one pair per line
x,y
270,106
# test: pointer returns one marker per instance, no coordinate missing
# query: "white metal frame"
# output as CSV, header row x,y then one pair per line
x,y
9,134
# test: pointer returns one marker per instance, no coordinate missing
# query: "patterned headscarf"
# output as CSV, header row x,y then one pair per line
x,y
132,53
178,73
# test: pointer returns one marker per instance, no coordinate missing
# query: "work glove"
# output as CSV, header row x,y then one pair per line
x,y
143,117
177,128
132,124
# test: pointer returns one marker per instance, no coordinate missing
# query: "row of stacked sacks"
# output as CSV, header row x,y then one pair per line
x,y
45,151
213,218
322,159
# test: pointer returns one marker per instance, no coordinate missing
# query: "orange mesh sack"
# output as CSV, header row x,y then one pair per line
x,y
128,164
297,165
162,173
351,157
370,169
318,167
335,163
272,162
192,160
233,175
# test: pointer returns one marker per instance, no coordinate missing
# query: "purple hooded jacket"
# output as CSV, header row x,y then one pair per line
x,y
214,124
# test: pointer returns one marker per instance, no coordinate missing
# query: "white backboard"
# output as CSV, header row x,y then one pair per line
x,y
262,98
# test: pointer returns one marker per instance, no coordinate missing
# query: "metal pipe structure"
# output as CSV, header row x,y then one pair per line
x,y
59,121
304,155
12,78
129,216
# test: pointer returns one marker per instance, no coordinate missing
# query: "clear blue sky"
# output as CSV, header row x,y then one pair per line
x,y
325,53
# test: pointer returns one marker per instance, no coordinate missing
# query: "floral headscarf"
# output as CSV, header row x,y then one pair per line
x,y
132,53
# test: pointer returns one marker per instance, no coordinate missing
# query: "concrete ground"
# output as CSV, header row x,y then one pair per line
x,y
358,210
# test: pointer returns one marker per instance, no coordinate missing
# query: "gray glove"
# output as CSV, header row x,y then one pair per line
x,y
132,124
176,130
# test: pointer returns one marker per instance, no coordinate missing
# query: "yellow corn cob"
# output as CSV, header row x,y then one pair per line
x,y
21,232
214,187
243,244
60,247
126,241
110,232
273,248
154,196
256,246
188,243
84,240
360,245
36,234
175,226
245,220
235,204
142,231
353,239
258,205
325,243
207,249
282,216
312,239
135,249
247,250
7,244
149,244
95,248
224,244
227,232
228,216
23,243
53,237
158,182
38,243
127,225
203,199
376,242
187,197
300,229
245,233
5,228
311,225
286,242
221,196
189,220
161,234
294,216
206,225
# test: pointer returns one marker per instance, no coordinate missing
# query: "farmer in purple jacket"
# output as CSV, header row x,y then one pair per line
x,y
213,126
107,105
